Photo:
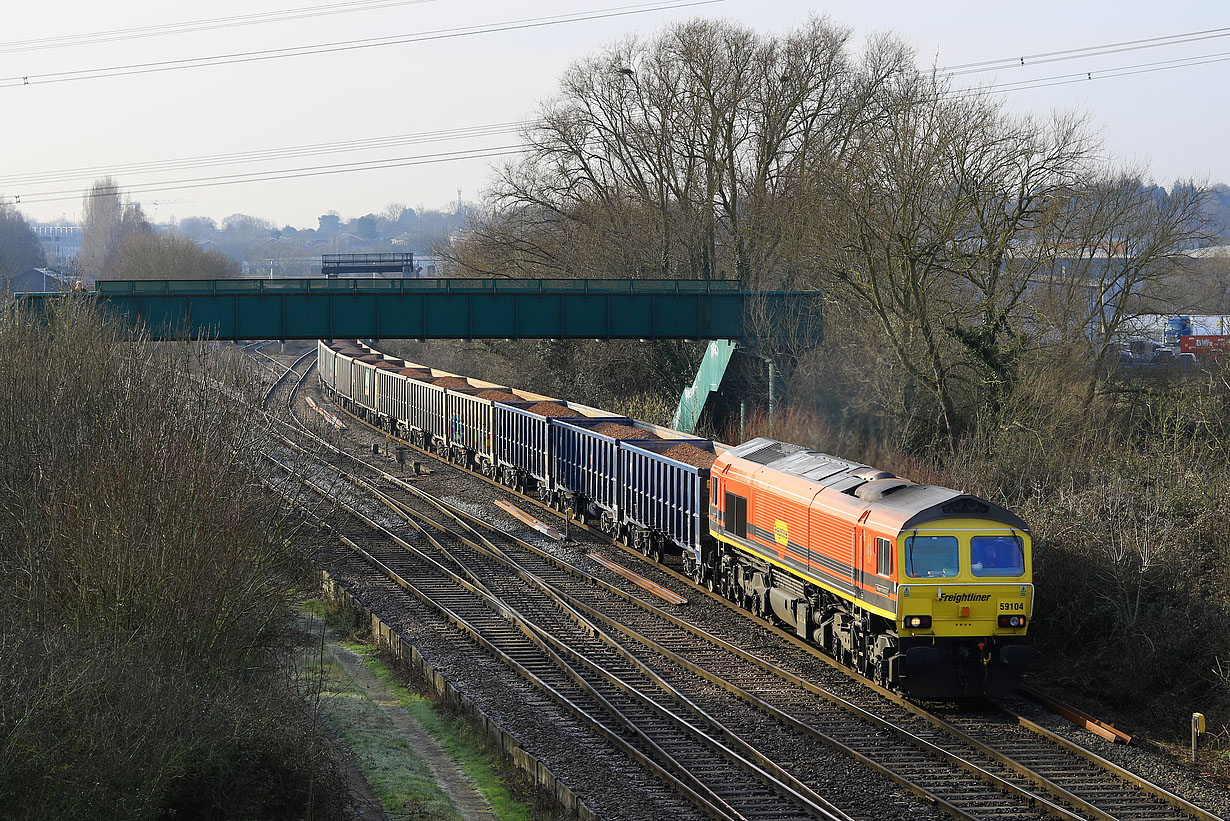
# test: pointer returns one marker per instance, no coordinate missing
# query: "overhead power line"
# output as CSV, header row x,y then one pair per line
x,y
294,173
1044,57
167,29
1103,74
260,155
47,178
262,55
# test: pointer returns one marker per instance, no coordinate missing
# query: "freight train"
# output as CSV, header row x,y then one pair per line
x,y
919,588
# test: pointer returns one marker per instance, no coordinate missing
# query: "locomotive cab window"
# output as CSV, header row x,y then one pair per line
x,y
736,515
997,556
929,557
884,557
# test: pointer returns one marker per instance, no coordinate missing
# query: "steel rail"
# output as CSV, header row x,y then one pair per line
x,y
289,370
999,783
1055,790
1001,758
581,614
684,787
1046,805
779,780
545,641
1132,778
801,726
1078,717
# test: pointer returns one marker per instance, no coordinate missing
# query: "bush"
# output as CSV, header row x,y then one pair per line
x,y
1126,494
147,639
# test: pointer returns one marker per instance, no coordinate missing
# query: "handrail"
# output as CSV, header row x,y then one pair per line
x,y
458,285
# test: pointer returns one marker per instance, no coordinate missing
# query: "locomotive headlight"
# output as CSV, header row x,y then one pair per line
x,y
1011,621
918,622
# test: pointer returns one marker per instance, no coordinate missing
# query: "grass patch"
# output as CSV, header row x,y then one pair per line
x,y
349,623
452,734
396,772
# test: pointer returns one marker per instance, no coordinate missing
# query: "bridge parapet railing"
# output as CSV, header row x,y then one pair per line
x,y
467,285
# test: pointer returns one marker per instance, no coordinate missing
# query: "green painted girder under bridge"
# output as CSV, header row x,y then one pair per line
x,y
248,309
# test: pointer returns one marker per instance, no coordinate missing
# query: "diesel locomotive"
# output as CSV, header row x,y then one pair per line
x,y
920,588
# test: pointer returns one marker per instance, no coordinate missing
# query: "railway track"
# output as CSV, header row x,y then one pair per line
x,y
983,769
571,660
971,766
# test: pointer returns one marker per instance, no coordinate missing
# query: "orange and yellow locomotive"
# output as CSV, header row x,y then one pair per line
x,y
919,587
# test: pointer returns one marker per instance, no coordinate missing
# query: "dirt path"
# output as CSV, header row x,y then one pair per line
x,y
449,777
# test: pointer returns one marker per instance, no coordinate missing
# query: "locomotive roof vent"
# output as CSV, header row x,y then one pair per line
x,y
871,474
772,452
877,489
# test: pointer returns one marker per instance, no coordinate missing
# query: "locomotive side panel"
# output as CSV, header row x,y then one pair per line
x,y
831,537
777,520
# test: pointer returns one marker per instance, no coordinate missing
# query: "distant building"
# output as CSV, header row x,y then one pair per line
x,y
61,242
37,280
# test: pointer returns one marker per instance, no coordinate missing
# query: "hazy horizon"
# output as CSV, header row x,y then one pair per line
x,y
452,93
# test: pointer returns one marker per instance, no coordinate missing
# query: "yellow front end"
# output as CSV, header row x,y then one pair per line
x,y
964,577
964,601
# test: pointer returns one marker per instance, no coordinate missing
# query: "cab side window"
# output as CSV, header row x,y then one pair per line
x,y
736,515
884,557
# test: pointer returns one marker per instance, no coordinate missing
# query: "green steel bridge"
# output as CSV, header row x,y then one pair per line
x,y
330,308
285,309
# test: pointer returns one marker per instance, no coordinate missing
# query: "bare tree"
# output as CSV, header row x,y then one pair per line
x,y
712,151
947,217
102,213
674,156
19,247
159,255
1116,245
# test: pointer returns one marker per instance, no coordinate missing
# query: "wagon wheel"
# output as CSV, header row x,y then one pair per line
x,y
698,574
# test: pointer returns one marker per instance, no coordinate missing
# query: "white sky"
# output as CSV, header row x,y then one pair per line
x,y
1174,121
